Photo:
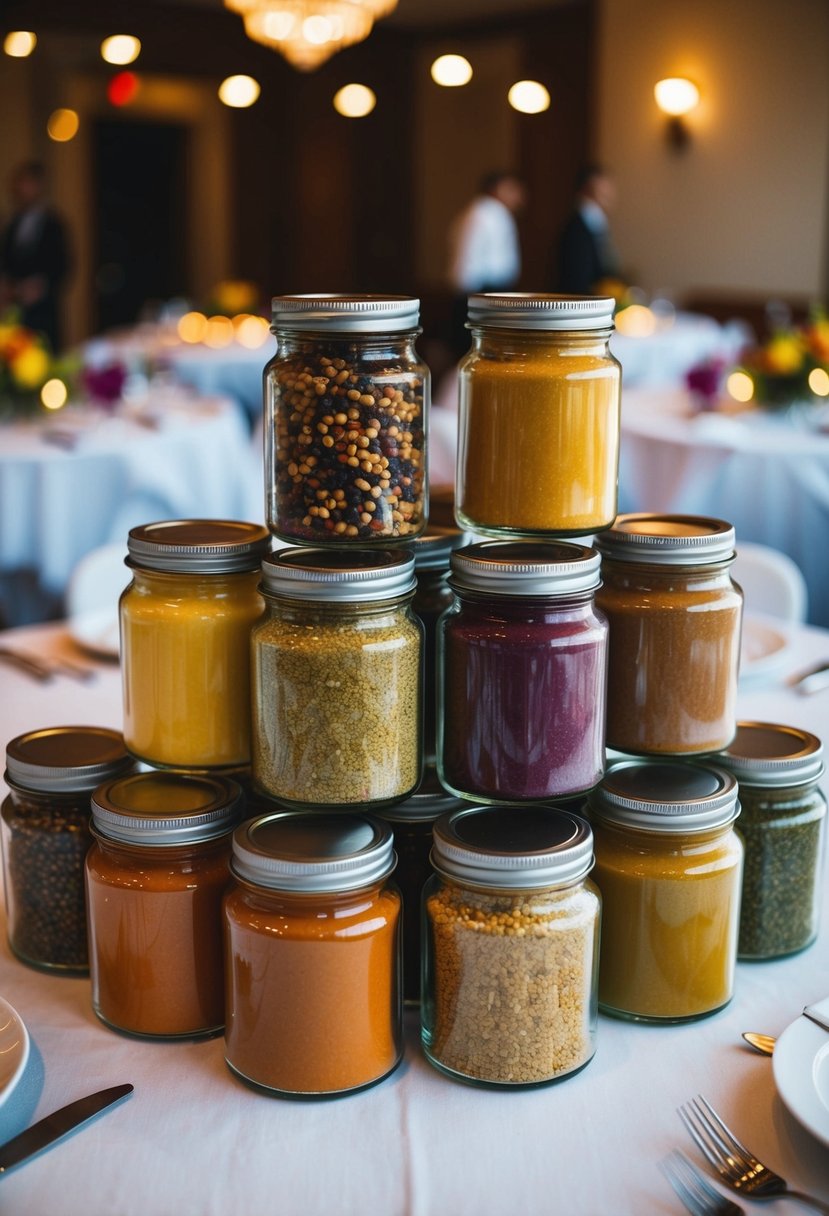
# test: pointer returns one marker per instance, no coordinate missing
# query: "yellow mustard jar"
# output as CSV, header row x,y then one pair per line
x,y
186,619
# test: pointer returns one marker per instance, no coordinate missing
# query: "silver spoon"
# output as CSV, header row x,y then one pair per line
x,y
764,1043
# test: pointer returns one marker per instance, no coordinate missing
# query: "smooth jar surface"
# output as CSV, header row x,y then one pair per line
x,y
509,986
46,837
345,438
336,694
522,693
670,912
783,831
673,657
538,433
185,658
155,936
313,990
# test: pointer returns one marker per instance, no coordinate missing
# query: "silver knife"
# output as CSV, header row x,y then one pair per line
x,y
46,1131
818,1013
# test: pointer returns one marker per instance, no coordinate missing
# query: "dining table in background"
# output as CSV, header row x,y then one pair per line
x,y
193,1139
676,343
766,472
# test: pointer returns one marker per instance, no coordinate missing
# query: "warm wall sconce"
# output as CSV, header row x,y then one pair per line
x,y
676,96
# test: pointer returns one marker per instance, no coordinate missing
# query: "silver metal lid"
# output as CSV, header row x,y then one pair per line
x,y
539,568
666,795
204,546
158,808
332,575
667,539
66,759
769,755
519,847
422,807
323,313
519,310
433,547
313,851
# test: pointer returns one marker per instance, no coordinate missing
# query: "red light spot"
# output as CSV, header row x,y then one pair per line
x,y
122,88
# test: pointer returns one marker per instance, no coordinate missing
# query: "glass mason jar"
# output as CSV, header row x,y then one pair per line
x,y
432,597
155,878
511,933
411,822
312,944
523,669
336,672
51,774
538,423
782,826
346,401
675,619
185,632
669,867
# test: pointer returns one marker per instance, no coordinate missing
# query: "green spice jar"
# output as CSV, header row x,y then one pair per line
x,y
46,835
783,827
336,678
511,924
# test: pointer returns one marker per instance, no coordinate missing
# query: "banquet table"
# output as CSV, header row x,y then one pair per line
x,y
194,1140
677,344
767,473
80,478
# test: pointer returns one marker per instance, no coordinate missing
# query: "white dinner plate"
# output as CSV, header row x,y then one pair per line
x,y
14,1049
801,1073
763,649
96,631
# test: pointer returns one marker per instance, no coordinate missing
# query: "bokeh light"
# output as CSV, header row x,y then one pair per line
x,y
675,95
19,43
819,381
635,321
120,49
62,125
451,71
123,88
354,101
740,386
219,332
239,92
192,327
251,332
54,394
529,97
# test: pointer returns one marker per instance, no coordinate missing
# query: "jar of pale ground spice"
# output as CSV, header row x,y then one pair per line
x,y
522,674
511,950
46,835
675,620
312,948
346,399
538,421
155,878
336,679
782,825
669,867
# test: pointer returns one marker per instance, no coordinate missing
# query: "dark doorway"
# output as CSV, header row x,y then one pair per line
x,y
140,207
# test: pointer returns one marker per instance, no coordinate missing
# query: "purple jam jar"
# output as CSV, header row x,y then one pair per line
x,y
522,657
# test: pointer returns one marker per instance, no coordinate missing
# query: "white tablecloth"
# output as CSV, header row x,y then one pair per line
x,y
194,1141
82,478
764,473
677,344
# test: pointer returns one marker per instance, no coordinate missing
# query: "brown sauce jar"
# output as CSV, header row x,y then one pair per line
x,y
675,619
155,878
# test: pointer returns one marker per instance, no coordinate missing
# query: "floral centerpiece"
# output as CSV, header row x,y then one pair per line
x,y
792,367
25,365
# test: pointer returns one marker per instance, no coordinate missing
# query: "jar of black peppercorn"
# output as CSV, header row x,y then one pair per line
x,y
51,774
346,399
783,825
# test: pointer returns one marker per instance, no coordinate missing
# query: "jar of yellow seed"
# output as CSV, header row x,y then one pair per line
x,y
511,946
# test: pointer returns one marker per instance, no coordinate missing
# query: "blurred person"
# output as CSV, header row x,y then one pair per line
x,y
484,247
585,254
34,254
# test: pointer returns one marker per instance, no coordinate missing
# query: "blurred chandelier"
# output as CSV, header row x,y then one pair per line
x,y
307,32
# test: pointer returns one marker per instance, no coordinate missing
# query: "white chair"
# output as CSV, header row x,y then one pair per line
x,y
772,583
92,595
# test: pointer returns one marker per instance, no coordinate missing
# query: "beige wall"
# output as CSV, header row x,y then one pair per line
x,y
746,207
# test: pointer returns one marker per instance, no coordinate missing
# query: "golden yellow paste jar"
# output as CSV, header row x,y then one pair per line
x,y
186,619
538,425
669,868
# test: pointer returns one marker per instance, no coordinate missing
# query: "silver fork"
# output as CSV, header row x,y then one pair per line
x,y
737,1167
694,1190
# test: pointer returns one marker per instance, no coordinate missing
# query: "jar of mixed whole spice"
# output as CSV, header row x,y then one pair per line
x,y
538,423
669,868
675,619
185,632
155,878
336,672
523,656
782,825
51,774
346,399
511,950
312,934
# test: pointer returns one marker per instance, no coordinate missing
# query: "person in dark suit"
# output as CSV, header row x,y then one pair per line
x,y
585,254
34,255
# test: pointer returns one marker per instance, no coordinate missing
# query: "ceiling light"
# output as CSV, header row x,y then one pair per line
x,y
307,32
62,125
19,43
239,92
120,49
676,95
451,71
529,97
354,101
